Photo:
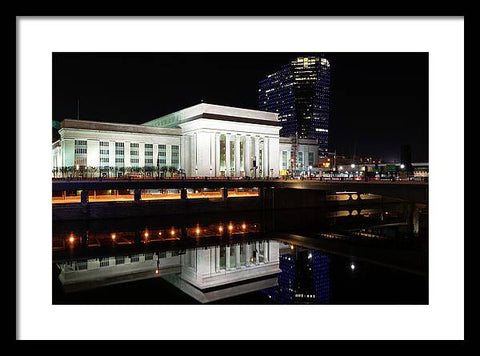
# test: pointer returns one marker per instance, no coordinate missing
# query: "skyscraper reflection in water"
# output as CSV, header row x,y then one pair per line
x,y
305,277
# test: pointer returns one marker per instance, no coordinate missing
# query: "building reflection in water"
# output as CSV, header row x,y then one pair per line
x,y
205,273
305,277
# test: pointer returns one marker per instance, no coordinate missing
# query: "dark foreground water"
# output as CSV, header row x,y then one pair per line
x,y
362,255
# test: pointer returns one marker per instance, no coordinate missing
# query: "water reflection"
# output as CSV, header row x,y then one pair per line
x,y
213,273
195,271
224,259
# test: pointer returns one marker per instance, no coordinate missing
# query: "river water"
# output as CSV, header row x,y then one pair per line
x,y
372,254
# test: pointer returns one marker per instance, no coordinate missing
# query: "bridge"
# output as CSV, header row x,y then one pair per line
x,y
413,191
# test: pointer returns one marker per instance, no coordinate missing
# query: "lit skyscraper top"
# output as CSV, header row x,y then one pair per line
x,y
300,93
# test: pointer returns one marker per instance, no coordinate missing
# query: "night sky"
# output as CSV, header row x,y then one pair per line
x,y
379,101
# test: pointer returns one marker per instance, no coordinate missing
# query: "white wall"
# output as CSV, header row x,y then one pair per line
x,y
93,153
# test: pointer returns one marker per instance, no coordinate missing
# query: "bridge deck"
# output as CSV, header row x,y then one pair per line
x,y
408,190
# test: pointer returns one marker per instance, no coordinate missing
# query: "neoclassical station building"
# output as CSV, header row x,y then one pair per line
x,y
201,140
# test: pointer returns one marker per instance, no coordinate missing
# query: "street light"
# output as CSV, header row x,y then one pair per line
x,y
402,166
352,165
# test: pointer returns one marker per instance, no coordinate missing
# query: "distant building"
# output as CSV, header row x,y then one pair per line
x,y
420,170
300,93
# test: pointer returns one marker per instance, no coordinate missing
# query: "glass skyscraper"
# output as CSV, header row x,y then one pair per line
x,y
300,93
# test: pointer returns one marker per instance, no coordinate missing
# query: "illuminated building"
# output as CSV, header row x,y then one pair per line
x,y
300,93
202,140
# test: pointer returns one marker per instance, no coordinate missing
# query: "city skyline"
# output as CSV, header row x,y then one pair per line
x,y
378,100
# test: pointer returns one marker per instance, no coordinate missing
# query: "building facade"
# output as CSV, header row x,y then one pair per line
x,y
202,140
300,93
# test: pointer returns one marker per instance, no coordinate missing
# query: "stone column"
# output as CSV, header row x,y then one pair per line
x,y
155,158
193,153
213,159
237,156
257,152
227,155
217,155
126,155
227,257
265,252
265,158
141,154
212,259
237,256
257,247
273,155
247,255
247,159
217,259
